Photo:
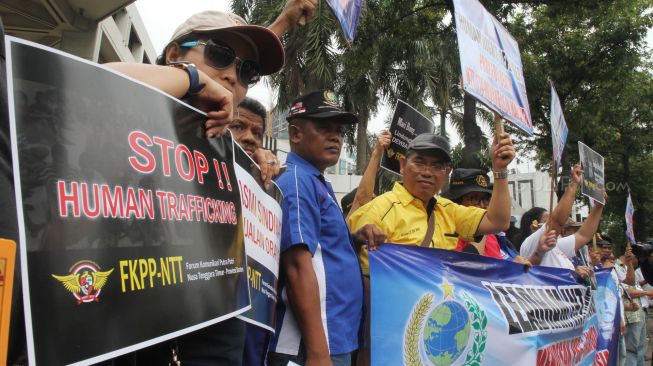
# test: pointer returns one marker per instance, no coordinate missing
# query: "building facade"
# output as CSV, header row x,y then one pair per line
x,y
100,31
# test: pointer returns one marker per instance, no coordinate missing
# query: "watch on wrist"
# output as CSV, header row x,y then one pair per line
x,y
194,86
500,175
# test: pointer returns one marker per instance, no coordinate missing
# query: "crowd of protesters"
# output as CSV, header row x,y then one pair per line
x,y
211,61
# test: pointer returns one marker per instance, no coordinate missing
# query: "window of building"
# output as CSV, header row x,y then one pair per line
x,y
343,167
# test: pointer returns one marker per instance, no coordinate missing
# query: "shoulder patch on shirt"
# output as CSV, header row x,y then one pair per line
x,y
392,204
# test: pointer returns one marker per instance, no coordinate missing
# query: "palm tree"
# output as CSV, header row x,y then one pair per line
x,y
403,50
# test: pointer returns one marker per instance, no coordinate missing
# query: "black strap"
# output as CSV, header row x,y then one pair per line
x,y
430,229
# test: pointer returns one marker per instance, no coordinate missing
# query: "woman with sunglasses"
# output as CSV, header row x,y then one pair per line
x,y
211,61
216,57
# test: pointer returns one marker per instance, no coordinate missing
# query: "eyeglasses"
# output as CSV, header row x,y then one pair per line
x,y
476,200
435,168
220,55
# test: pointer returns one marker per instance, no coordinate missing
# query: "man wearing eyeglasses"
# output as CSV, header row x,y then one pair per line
x,y
410,213
403,214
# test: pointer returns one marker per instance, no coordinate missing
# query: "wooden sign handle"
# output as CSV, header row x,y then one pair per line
x,y
498,125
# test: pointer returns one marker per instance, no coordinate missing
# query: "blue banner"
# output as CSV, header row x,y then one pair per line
x,y
347,12
630,211
438,307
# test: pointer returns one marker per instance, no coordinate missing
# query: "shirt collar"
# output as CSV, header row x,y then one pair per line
x,y
297,160
405,197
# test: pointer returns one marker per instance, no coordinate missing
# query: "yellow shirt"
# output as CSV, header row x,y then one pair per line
x,y
404,220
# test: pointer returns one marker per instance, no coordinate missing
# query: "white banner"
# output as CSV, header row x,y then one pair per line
x,y
262,233
491,64
559,129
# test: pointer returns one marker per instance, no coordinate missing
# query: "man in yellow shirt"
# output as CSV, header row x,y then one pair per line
x,y
410,214
403,214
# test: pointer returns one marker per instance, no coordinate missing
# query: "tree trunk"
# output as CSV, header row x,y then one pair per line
x,y
361,144
472,137
565,175
443,124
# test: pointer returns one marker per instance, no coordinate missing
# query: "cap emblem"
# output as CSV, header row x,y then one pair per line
x,y
481,181
330,98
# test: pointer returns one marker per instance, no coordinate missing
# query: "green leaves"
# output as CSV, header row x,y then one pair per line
x,y
406,49
594,53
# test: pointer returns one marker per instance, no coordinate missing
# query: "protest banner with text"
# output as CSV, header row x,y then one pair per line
x,y
347,12
130,220
438,307
559,129
406,123
593,185
630,211
491,64
262,235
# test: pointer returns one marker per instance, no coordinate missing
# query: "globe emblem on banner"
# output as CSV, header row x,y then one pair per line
x,y
449,332
446,333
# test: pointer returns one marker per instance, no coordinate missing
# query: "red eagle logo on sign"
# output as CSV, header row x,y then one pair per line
x,y
85,281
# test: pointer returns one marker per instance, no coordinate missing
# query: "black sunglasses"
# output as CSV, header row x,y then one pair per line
x,y
220,55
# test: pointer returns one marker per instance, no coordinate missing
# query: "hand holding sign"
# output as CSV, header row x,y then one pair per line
x,y
298,11
547,242
503,152
268,164
216,99
576,174
383,140
370,234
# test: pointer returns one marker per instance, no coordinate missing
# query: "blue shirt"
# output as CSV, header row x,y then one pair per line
x,y
312,217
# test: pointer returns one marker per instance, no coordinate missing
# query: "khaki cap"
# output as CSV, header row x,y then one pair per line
x,y
267,45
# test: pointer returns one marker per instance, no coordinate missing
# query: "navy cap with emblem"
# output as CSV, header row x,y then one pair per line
x,y
319,105
464,181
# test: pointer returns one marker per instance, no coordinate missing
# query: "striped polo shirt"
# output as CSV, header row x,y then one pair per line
x,y
312,217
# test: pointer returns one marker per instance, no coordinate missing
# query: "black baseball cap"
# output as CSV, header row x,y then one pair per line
x,y
426,142
604,241
317,105
465,180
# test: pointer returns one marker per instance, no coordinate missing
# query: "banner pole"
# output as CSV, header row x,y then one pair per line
x,y
554,176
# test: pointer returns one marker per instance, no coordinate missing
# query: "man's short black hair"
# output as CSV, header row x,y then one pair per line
x,y
255,107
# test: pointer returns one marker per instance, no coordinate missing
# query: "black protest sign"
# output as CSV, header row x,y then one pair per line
x,y
593,173
129,219
262,231
406,123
